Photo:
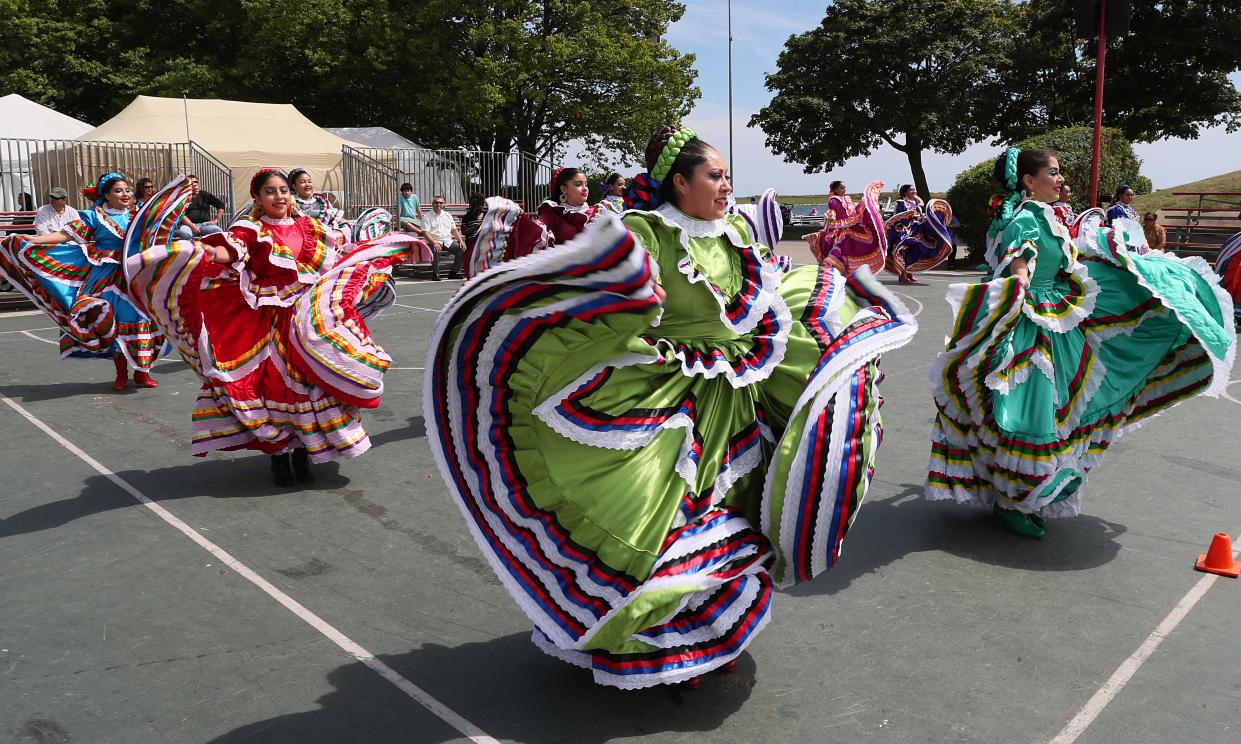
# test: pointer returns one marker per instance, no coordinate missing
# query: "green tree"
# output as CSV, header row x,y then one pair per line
x,y
554,71
973,188
1166,78
915,74
479,74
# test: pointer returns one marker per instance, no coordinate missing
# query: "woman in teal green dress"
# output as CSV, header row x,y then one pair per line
x,y
1068,345
650,426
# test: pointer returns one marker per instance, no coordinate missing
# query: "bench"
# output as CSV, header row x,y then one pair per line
x,y
19,223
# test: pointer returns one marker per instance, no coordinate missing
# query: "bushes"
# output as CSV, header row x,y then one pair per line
x,y
973,187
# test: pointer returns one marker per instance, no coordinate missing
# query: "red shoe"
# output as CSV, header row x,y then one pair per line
x,y
728,667
122,372
693,683
143,379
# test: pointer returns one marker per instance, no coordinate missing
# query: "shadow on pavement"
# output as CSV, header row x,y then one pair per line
x,y
59,390
507,688
415,429
235,477
888,530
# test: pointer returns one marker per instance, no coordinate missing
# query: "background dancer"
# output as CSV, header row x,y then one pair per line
x,y
74,275
907,199
268,314
853,234
1061,352
918,237
634,484
613,190
311,203
1063,207
567,212
1122,204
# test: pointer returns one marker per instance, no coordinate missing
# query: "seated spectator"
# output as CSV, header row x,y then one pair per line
x,y
408,210
143,190
25,202
202,216
440,231
1156,234
53,216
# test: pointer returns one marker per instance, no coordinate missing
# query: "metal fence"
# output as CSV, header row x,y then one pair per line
x,y
29,168
373,176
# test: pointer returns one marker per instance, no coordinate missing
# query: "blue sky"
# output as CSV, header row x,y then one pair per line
x,y
760,28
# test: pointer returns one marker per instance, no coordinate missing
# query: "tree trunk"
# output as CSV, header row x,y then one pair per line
x,y
913,152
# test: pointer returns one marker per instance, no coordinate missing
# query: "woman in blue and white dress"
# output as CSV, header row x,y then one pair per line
x,y
74,275
1122,205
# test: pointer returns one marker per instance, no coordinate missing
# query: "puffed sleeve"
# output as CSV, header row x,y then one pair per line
x,y
83,228
1020,239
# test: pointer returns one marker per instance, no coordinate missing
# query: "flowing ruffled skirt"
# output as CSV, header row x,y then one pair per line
x,y
84,298
856,240
919,240
637,495
279,370
1228,266
1036,384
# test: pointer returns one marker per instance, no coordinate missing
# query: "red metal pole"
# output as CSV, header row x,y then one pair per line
x,y
1097,145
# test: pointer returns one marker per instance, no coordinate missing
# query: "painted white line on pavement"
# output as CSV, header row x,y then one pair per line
x,y
36,338
1114,684
1225,394
469,730
415,307
921,307
420,294
49,328
419,369
908,369
20,314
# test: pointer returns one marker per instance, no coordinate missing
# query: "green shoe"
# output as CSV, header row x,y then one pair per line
x,y
1018,522
1039,520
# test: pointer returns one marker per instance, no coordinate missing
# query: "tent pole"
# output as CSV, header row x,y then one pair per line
x,y
185,106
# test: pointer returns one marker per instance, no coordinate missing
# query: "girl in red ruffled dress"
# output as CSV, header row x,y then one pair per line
x,y
569,214
271,314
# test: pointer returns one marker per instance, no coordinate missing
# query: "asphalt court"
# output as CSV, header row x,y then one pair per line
x,y
369,615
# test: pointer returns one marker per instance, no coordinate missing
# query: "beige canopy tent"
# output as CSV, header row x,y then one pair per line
x,y
243,136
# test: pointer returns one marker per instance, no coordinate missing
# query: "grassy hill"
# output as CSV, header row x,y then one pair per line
x,y
1163,198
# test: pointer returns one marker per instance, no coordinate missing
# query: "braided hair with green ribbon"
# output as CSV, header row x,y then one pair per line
x,y
673,150
1004,207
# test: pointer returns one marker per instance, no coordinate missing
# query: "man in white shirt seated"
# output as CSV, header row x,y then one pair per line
x,y
440,230
53,216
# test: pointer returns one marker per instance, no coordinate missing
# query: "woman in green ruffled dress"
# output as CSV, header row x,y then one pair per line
x,y
651,425
1070,343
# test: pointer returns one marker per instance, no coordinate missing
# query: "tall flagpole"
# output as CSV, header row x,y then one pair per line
x,y
731,165
1096,145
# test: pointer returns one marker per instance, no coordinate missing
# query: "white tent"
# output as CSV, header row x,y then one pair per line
x,y
243,136
23,119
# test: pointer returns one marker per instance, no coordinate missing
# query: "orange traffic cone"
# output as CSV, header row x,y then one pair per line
x,y
1218,559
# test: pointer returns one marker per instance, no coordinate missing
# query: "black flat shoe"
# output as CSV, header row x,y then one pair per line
x,y
301,466
282,470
